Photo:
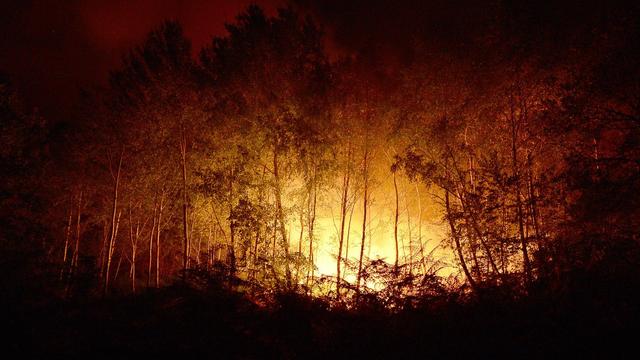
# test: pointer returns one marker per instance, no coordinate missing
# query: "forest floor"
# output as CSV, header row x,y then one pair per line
x,y
219,323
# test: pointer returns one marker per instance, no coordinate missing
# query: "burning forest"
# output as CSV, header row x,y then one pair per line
x,y
315,179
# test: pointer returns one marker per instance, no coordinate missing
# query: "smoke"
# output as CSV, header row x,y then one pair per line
x,y
50,49
463,28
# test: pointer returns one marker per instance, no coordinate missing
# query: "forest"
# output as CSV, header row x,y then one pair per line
x,y
279,194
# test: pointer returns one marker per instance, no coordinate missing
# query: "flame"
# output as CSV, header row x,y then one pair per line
x,y
419,224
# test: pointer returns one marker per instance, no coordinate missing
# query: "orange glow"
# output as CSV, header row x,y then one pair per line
x,y
379,242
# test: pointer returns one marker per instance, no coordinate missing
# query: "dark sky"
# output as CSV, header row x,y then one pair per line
x,y
50,49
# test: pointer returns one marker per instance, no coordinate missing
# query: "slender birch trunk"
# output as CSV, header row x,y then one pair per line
x,y
76,248
364,217
103,249
280,213
409,234
153,228
160,208
395,223
185,228
113,232
312,220
346,245
422,259
456,239
343,213
134,236
67,237
516,175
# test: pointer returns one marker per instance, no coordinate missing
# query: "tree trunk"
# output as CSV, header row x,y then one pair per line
x,y
311,227
516,175
134,236
232,228
280,214
160,207
275,235
185,228
470,216
103,249
67,237
422,259
343,213
115,277
199,246
532,201
76,248
299,246
395,224
312,220
110,252
259,226
153,228
210,247
364,218
346,245
456,239
409,234
114,224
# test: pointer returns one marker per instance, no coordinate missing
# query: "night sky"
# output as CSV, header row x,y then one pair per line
x,y
50,49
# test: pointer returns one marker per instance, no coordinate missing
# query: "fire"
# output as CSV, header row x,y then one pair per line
x,y
420,232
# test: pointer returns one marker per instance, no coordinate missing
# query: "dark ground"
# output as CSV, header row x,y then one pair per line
x,y
586,320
